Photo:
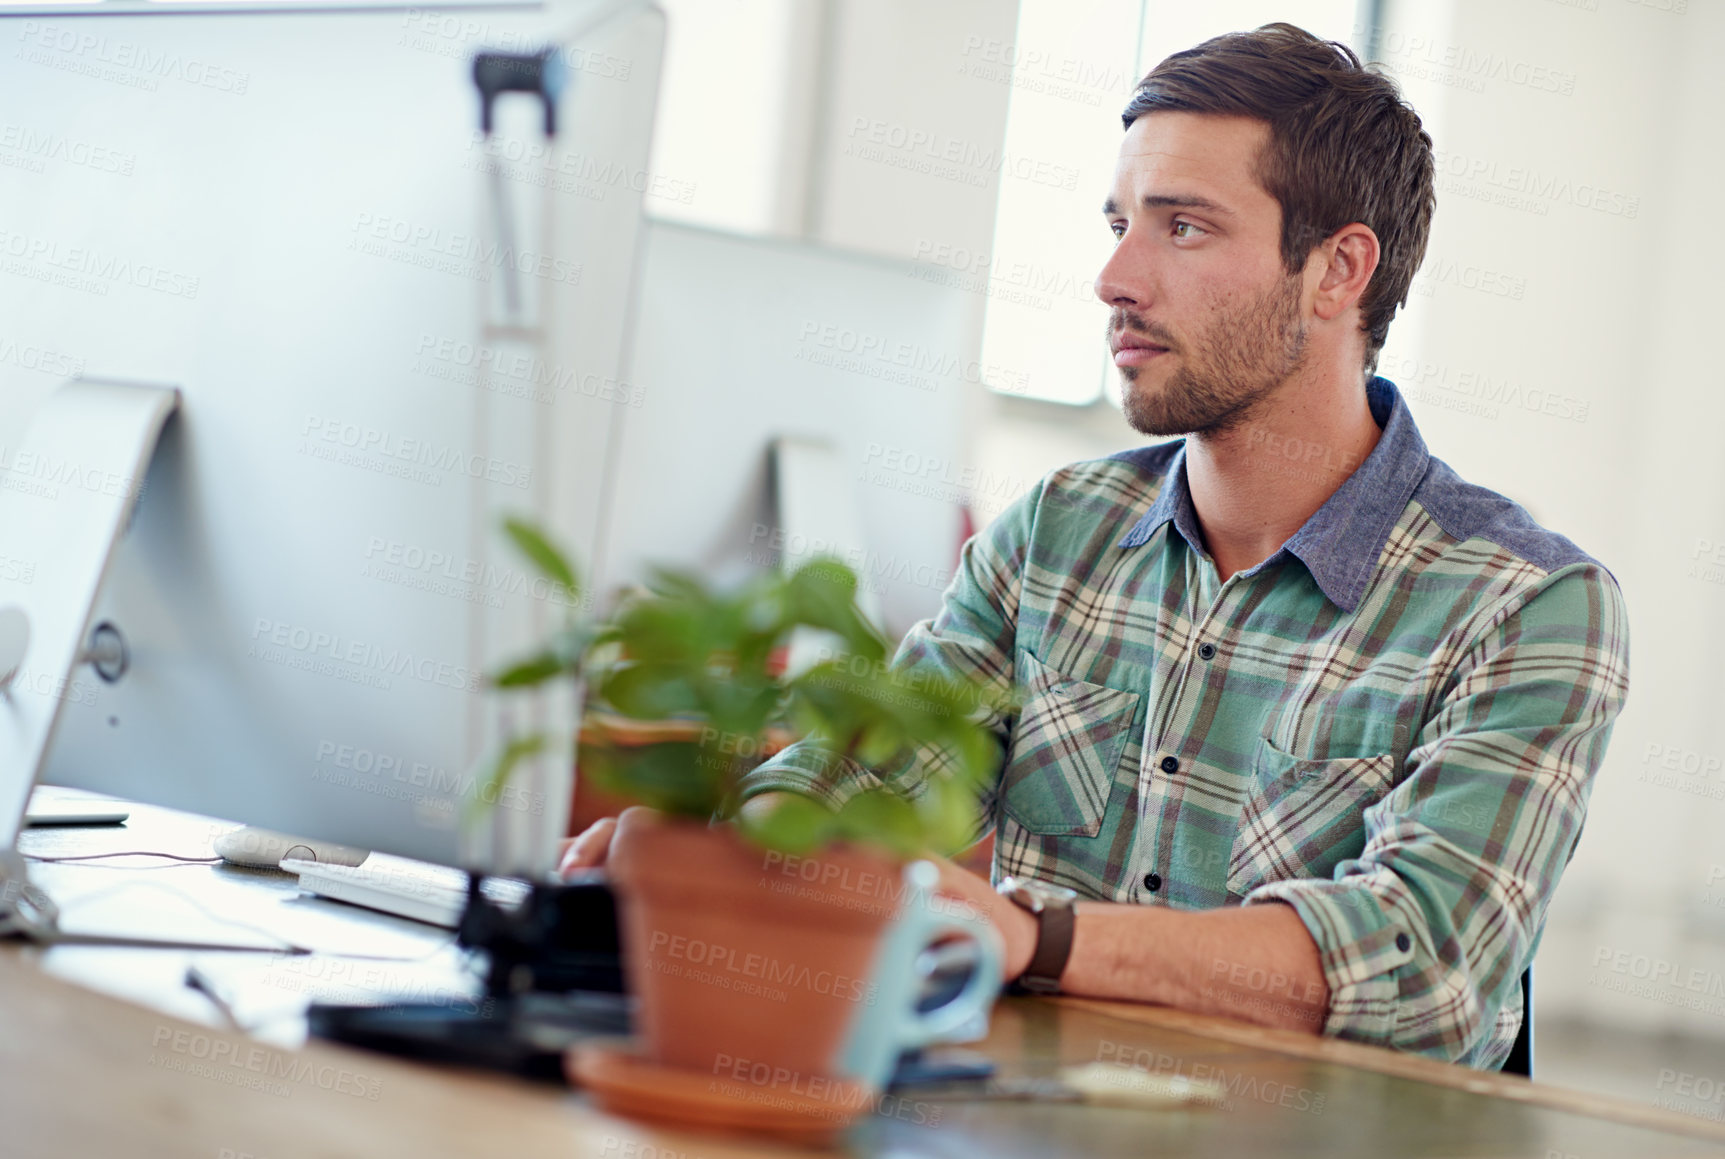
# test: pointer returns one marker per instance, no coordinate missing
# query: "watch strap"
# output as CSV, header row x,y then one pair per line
x,y
1055,924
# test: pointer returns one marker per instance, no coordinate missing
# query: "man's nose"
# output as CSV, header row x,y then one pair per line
x,y
1122,281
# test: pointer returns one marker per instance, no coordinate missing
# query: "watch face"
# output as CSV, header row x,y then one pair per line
x,y
1039,894
1052,893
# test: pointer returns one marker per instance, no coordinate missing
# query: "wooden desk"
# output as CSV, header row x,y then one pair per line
x,y
88,1074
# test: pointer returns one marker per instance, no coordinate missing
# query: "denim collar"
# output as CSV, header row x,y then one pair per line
x,y
1341,542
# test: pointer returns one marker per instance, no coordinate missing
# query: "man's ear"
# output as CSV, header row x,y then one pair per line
x,y
1346,260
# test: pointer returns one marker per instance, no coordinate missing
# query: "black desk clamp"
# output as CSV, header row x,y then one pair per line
x,y
554,978
562,938
542,74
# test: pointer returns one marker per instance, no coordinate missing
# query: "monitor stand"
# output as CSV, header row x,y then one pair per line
x,y
66,494
25,910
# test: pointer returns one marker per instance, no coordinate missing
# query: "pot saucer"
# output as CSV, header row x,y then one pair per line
x,y
623,1083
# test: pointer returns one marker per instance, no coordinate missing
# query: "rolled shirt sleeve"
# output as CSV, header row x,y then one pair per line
x,y
1423,938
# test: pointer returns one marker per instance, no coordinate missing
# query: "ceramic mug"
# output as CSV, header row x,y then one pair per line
x,y
892,1023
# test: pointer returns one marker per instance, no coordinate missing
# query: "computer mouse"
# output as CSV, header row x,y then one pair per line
x,y
264,849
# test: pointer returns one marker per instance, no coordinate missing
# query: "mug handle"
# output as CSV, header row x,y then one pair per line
x,y
980,989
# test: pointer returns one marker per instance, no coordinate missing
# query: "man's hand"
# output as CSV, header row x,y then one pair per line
x,y
1018,929
589,848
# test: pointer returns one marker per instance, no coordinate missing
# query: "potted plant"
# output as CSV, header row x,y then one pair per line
x,y
755,936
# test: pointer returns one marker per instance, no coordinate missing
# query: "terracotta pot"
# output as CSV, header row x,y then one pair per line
x,y
741,958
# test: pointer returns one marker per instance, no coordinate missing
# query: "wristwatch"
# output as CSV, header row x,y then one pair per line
x,y
1052,905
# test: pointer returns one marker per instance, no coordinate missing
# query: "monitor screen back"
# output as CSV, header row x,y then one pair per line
x,y
388,333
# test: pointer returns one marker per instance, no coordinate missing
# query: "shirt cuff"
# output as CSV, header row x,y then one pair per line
x,y
809,771
1361,947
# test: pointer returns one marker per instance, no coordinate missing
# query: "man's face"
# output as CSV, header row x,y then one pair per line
x,y
1205,322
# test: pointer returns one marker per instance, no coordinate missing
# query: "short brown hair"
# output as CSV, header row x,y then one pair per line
x,y
1344,147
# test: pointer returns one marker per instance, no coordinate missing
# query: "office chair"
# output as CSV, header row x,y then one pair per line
x,y
1520,1060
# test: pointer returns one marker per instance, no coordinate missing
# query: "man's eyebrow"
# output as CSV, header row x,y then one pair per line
x,y
1172,201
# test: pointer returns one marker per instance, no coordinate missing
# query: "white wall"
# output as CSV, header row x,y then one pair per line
x,y
1613,324
910,152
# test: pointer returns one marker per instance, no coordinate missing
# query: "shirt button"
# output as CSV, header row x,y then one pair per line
x,y
1170,765
1152,882
1206,651
1404,943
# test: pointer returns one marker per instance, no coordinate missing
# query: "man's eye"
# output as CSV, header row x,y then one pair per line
x,y
1185,229
1117,229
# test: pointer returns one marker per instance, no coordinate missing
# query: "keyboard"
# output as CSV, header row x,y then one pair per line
x,y
50,806
422,892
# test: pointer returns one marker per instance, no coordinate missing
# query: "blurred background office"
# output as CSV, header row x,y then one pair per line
x,y
1560,345
873,227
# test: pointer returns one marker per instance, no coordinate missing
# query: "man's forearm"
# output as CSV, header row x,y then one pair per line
x,y
1255,963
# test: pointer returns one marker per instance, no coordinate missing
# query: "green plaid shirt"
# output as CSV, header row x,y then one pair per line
x,y
1391,724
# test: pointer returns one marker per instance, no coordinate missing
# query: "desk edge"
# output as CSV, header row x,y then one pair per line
x,y
1408,1066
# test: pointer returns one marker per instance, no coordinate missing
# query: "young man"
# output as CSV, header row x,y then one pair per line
x,y
1307,723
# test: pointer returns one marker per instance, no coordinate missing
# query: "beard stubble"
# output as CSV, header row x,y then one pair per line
x,y
1226,371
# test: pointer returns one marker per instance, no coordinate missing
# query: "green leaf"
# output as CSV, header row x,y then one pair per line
x,y
677,586
649,691
656,629
517,750
742,707
674,777
883,819
880,743
827,575
795,825
534,670
947,813
822,594
979,754
573,642
552,564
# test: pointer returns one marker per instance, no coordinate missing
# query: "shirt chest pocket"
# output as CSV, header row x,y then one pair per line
x,y
1066,749
1302,818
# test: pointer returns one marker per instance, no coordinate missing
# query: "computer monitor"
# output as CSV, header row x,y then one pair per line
x,y
744,343
386,330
